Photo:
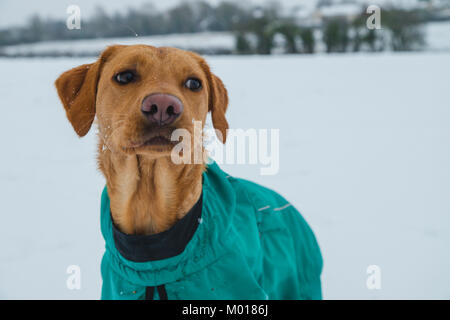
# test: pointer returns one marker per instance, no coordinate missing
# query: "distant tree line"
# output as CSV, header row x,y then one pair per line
x,y
258,29
402,30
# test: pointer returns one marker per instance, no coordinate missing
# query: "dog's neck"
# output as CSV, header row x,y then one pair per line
x,y
148,196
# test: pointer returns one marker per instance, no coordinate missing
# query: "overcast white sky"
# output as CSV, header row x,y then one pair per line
x,y
16,12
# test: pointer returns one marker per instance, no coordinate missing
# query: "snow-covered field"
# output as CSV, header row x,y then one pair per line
x,y
364,154
202,42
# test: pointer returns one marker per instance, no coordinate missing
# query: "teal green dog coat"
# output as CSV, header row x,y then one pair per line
x,y
240,241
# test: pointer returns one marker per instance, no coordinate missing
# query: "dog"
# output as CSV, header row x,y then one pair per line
x,y
180,230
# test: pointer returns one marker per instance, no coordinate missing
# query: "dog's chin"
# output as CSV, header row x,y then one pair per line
x,y
157,148
152,144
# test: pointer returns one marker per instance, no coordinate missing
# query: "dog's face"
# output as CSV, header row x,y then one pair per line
x,y
140,95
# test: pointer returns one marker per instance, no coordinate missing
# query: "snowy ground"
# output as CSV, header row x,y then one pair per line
x,y
365,155
201,42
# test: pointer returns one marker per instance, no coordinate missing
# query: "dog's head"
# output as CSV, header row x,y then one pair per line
x,y
140,95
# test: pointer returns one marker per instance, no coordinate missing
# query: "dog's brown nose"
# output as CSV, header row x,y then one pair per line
x,y
161,108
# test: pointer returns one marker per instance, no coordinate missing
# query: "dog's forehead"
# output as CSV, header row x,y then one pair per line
x,y
146,55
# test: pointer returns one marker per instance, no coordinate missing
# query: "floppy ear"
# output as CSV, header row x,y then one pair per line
x,y
218,104
218,100
77,89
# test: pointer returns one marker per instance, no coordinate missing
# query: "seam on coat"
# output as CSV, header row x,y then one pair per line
x,y
263,208
252,203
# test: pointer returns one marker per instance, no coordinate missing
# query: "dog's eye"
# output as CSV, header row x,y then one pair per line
x,y
125,77
193,84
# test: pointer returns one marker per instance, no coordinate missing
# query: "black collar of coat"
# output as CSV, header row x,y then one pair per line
x,y
169,243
